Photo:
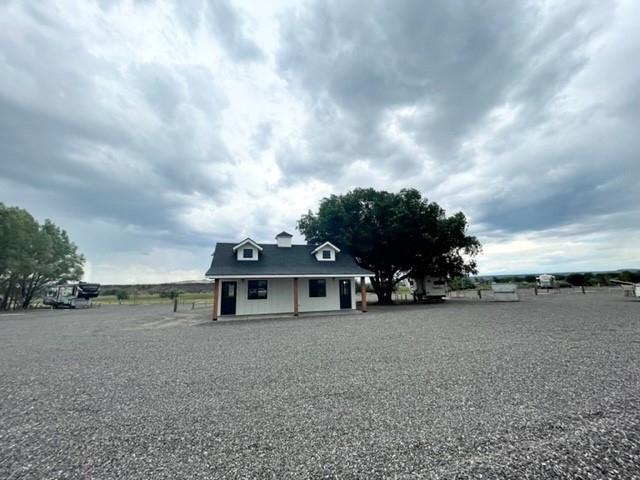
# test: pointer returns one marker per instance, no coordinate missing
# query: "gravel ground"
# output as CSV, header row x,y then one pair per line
x,y
546,387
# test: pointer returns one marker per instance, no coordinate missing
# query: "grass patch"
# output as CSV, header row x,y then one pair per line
x,y
153,299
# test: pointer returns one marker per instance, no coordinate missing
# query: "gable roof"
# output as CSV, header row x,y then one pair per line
x,y
246,241
282,262
325,245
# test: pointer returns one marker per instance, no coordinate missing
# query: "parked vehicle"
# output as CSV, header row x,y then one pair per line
x,y
546,281
629,288
71,295
428,288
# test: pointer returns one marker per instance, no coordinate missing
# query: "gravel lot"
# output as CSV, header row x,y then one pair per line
x,y
546,387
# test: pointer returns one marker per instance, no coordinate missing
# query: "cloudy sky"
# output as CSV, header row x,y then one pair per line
x,y
150,130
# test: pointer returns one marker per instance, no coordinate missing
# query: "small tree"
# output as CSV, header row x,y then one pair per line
x,y
32,256
122,294
171,294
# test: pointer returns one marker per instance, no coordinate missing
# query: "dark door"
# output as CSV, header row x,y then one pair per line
x,y
228,298
345,293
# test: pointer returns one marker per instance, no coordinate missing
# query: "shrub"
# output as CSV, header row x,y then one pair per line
x,y
122,295
172,294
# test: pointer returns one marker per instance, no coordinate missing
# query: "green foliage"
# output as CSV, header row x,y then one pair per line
x,y
577,279
33,256
628,276
172,294
395,235
462,283
122,295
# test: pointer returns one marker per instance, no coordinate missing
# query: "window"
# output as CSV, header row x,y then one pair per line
x,y
247,253
318,288
326,254
257,289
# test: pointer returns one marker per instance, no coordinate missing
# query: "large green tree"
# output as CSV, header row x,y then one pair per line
x,y
32,256
395,235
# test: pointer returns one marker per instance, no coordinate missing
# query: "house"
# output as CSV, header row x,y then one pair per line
x,y
252,278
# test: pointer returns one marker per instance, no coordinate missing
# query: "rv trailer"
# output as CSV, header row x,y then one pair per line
x,y
546,281
428,288
71,295
632,288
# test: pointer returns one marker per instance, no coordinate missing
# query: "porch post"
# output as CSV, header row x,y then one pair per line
x,y
363,293
295,297
216,292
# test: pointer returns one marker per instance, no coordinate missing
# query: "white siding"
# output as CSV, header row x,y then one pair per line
x,y
318,304
280,297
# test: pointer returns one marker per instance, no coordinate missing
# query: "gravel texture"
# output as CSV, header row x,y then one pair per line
x,y
548,387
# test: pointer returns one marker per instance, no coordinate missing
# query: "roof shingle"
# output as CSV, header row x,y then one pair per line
x,y
274,260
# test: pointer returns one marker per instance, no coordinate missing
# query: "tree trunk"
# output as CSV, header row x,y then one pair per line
x,y
30,290
383,291
8,295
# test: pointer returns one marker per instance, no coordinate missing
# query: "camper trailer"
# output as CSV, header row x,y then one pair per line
x,y
546,281
428,288
71,295
630,289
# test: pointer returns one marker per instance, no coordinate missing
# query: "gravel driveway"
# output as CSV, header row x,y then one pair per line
x,y
546,387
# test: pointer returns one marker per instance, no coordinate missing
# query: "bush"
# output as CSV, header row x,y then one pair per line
x,y
172,294
122,295
462,283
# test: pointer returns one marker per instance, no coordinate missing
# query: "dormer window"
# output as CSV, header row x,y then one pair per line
x,y
247,250
326,252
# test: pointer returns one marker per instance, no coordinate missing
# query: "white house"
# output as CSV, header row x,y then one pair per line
x,y
253,279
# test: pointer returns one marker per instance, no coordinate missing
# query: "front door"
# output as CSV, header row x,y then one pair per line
x,y
228,298
345,293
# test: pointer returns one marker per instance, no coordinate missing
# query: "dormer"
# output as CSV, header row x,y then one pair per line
x,y
326,252
247,250
283,239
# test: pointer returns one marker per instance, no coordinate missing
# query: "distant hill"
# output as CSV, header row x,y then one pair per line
x,y
551,272
191,286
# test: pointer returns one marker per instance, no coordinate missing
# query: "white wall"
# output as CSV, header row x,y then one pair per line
x,y
280,297
316,304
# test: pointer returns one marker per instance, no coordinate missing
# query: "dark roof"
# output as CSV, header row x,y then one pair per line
x,y
284,234
274,260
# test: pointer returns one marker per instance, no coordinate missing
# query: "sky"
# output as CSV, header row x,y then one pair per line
x,y
150,130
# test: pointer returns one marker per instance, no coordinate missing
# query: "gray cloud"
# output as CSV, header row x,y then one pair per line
x,y
439,71
453,64
78,145
225,23
262,136
524,116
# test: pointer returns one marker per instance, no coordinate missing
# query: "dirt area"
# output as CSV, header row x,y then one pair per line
x,y
541,388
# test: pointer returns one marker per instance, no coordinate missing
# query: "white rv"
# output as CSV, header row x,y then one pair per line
x,y
71,295
428,288
546,281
